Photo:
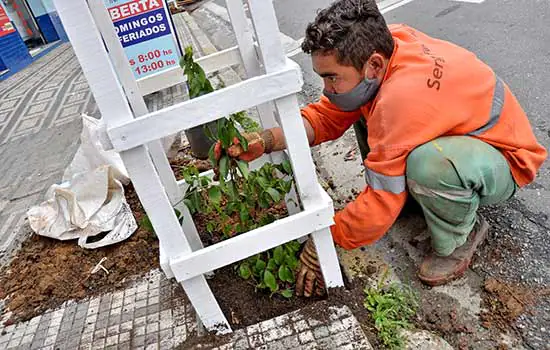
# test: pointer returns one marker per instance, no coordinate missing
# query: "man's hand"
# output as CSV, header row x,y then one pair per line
x,y
256,148
310,278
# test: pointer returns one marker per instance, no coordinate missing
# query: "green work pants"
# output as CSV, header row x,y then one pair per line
x,y
451,177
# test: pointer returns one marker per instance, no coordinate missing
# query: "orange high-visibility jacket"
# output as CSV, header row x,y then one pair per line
x,y
431,88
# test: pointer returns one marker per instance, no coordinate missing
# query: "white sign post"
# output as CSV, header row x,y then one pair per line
x,y
273,81
146,34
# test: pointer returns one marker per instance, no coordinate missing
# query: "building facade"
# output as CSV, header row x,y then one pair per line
x,y
28,29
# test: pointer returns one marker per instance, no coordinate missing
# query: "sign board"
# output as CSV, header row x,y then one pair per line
x,y
6,27
146,34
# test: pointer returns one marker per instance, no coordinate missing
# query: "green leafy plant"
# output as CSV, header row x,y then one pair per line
x,y
200,85
247,123
273,270
391,307
241,200
196,77
240,203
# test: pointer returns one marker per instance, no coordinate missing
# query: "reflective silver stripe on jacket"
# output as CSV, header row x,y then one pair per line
x,y
377,181
496,108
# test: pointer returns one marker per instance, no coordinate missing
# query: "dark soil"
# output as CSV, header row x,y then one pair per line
x,y
183,158
440,314
47,272
244,307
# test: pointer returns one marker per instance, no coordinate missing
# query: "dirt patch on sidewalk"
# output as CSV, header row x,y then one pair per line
x,y
47,272
505,302
244,307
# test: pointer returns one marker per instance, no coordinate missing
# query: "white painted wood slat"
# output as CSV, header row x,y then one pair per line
x,y
267,34
206,108
310,192
137,103
174,76
83,35
90,51
253,242
166,225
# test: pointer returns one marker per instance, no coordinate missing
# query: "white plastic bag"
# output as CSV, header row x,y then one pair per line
x,y
90,203
91,154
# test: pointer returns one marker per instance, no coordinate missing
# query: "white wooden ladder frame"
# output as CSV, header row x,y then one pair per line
x,y
272,84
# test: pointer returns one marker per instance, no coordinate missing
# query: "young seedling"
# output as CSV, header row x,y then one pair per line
x,y
273,270
391,306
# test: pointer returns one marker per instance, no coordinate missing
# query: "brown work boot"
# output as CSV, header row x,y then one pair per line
x,y
437,270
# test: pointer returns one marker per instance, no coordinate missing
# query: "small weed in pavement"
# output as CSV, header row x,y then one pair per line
x,y
391,307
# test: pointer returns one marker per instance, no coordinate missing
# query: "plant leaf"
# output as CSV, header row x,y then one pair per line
x,y
272,265
264,203
224,167
214,194
233,191
242,140
262,181
270,281
287,167
212,156
223,134
231,208
208,132
243,213
274,194
189,174
210,227
205,181
178,215
295,245
287,186
146,224
260,266
247,123
243,168
278,254
287,293
291,261
252,260
189,203
285,274
196,198
244,271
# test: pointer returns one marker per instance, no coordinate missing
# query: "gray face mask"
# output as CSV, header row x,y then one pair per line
x,y
360,95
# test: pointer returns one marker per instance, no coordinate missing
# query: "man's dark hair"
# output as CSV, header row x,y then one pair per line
x,y
352,29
